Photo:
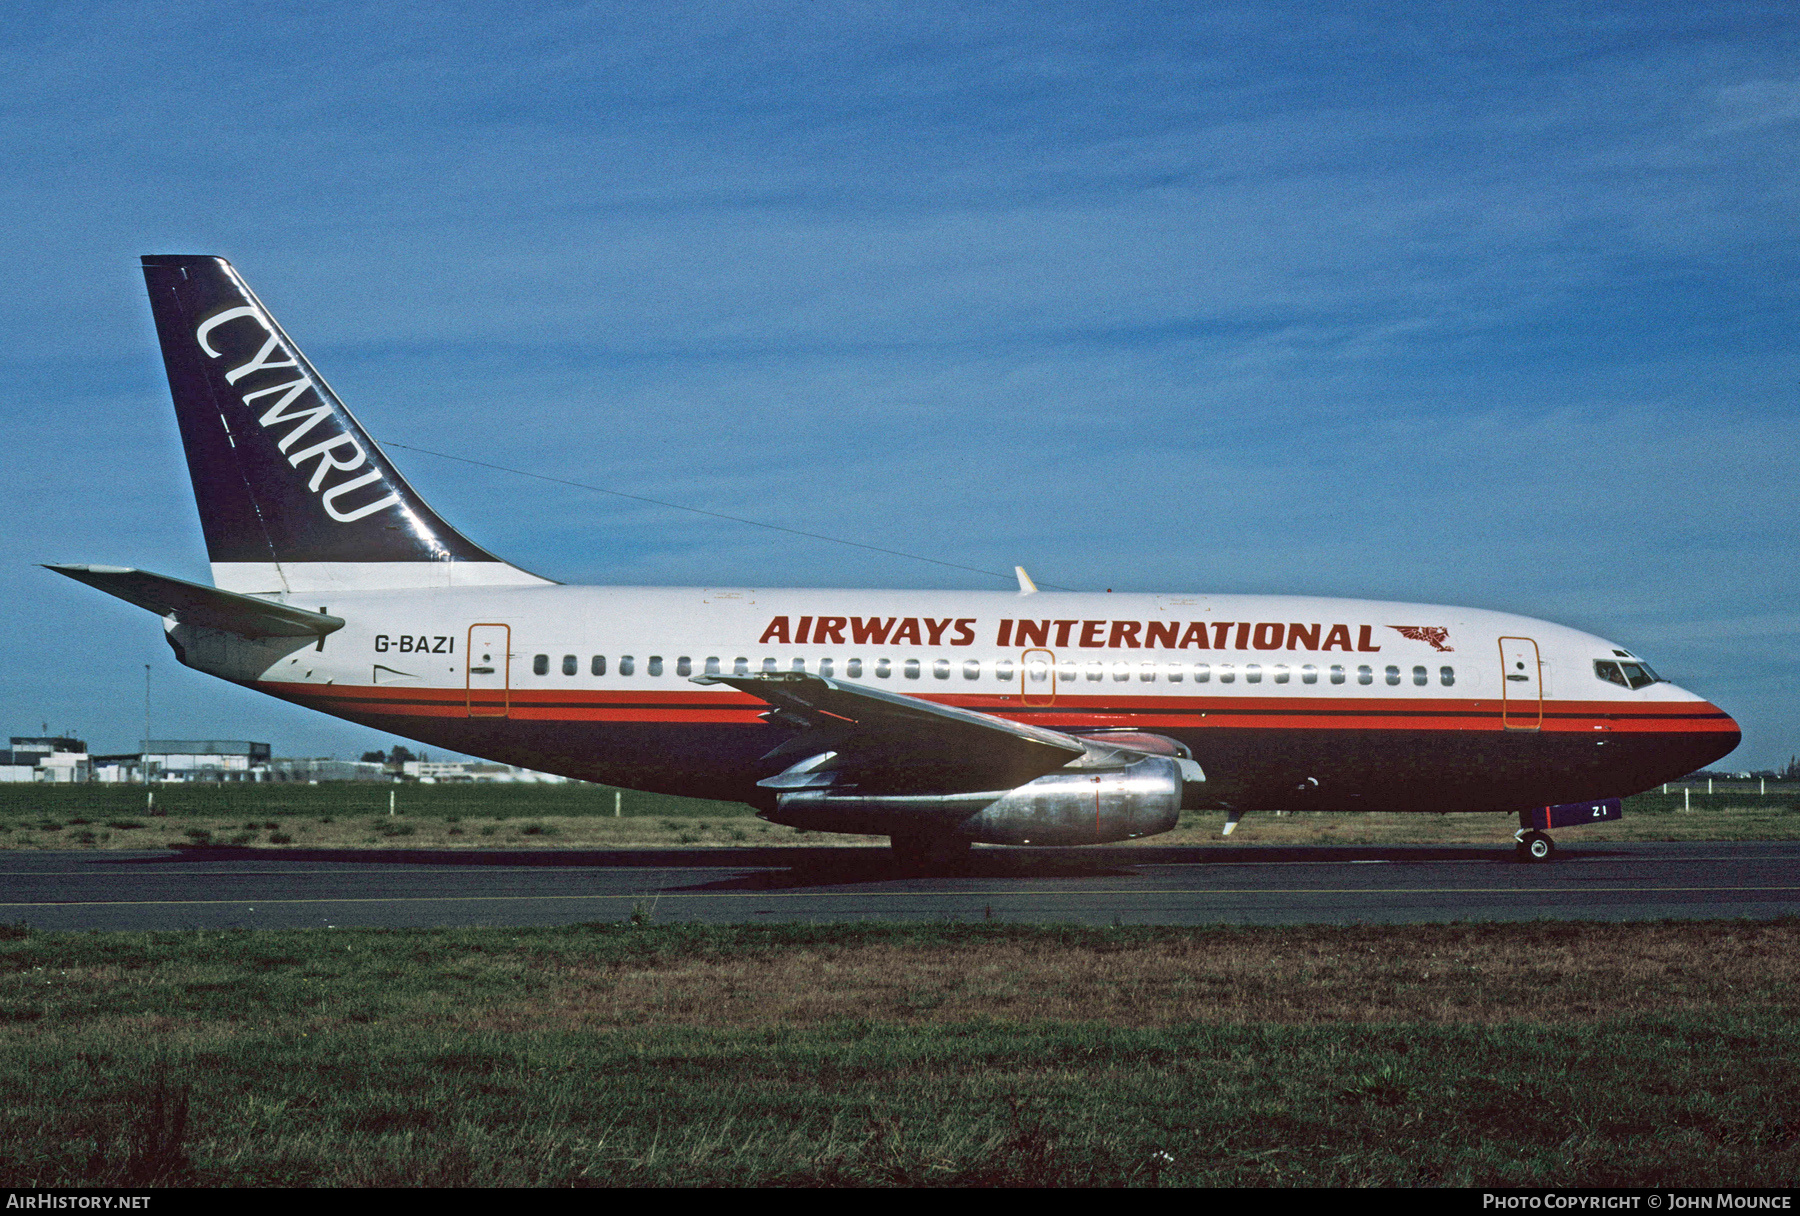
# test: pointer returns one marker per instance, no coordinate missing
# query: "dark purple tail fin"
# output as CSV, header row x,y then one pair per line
x,y
293,494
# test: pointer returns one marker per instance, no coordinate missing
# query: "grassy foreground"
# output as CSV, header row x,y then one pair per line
x,y
1525,1055
357,815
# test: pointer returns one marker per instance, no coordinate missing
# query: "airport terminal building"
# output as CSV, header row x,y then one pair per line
x,y
56,758
64,759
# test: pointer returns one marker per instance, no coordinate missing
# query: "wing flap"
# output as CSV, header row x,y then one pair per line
x,y
892,742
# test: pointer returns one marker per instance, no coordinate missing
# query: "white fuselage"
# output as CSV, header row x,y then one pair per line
x,y
1287,701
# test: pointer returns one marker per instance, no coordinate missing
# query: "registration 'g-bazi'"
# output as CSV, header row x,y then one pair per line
x,y
938,718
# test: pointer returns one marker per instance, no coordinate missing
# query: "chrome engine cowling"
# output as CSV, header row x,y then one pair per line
x,y
1084,806
1109,795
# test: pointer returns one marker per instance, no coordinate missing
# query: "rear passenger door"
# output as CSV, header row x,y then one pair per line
x,y
488,671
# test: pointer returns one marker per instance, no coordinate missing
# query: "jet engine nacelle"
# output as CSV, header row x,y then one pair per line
x,y
1088,805
1085,806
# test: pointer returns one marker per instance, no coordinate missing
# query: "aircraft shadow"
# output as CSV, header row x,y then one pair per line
x,y
828,865
852,867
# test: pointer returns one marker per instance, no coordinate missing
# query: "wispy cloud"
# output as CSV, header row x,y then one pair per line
x,y
1468,303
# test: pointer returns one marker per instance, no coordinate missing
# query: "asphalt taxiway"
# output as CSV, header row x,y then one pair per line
x,y
300,888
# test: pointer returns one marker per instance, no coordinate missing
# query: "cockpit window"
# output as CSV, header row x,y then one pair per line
x,y
1627,675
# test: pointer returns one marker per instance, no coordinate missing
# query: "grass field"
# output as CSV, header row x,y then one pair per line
x,y
1503,1055
351,814
959,1055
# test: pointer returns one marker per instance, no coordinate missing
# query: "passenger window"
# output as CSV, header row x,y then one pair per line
x,y
1365,675
912,669
940,669
684,666
1309,674
1226,673
627,665
1421,677
768,666
1202,672
569,665
1393,674
1037,670
655,667
1066,672
597,665
1003,669
1337,673
712,665
740,666
1281,673
883,669
1121,671
1253,673
800,665
1096,670
1447,676
971,669
1146,671
540,665
825,668
1176,672
853,669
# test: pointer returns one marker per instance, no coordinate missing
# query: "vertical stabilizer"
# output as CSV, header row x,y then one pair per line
x,y
293,494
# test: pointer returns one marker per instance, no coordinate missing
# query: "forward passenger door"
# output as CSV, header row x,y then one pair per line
x,y
1521,684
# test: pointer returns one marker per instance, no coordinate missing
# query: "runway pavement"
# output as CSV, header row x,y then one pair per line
x,y
299,888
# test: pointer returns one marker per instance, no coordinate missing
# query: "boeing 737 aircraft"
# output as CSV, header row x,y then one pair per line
x,y
936,718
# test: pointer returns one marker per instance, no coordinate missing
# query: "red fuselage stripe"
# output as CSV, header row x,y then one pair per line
x,y
1280,713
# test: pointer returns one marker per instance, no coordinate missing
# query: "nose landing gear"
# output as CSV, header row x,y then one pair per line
x,y
1535,846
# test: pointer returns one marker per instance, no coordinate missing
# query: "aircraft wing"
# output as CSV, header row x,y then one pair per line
x,y
209,607
881,740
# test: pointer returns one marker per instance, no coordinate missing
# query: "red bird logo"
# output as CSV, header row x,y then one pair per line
x,y
1434,634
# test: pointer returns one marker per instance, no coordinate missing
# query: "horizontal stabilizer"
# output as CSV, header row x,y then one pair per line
x,y
208,607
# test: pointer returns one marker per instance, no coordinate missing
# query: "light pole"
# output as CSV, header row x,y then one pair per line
x,y
144,756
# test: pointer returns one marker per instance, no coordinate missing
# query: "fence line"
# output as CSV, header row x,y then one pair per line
x,y
345,798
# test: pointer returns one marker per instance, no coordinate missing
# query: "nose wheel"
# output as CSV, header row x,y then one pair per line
x,y
1536,847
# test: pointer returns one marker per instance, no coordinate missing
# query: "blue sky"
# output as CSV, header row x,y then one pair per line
x,y
1477,304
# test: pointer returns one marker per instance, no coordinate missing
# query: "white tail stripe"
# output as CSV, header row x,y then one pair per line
x,y
266,578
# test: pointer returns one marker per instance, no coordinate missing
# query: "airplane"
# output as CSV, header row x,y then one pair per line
x,y
936,718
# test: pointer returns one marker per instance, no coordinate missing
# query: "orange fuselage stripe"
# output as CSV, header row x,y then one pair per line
x,y
1262,713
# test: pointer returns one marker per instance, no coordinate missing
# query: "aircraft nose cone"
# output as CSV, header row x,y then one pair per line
x,y
1720,730
1692,733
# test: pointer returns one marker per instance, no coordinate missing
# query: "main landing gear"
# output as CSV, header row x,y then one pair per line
x,y
1535,846
928,854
